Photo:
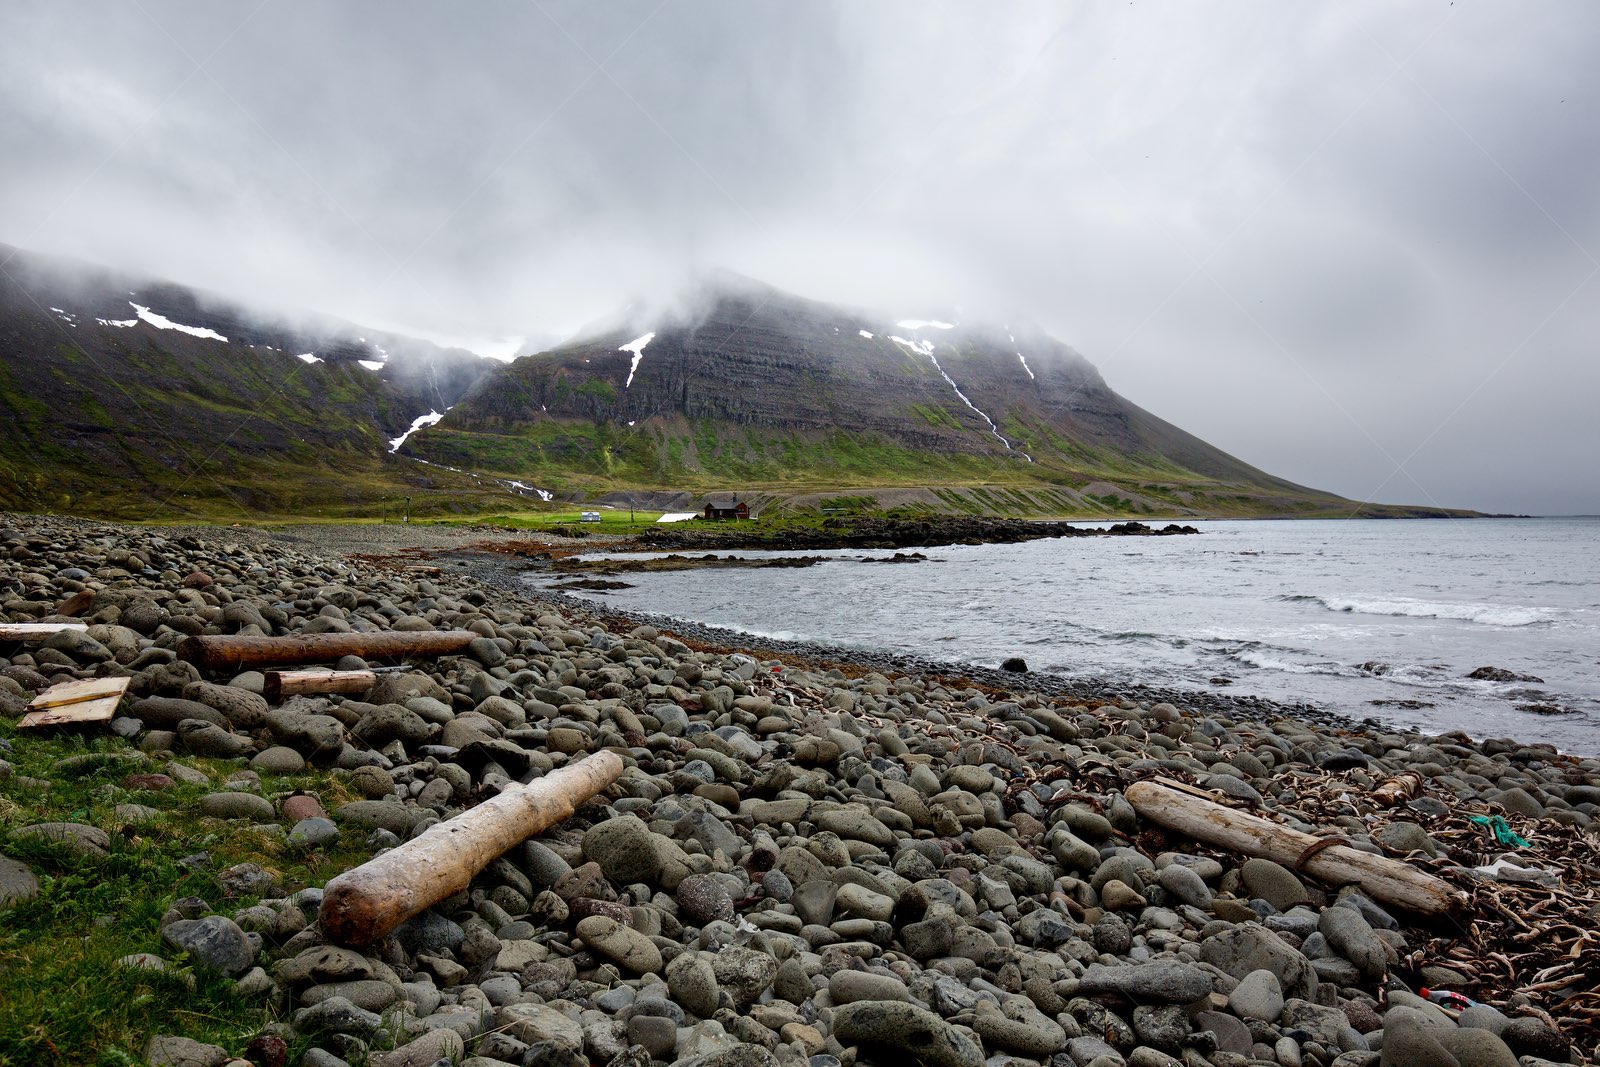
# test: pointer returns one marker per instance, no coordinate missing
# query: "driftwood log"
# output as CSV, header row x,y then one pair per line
x,y
366,902
1381,878
280,684
220,653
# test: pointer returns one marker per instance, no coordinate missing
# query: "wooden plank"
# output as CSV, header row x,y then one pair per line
x,y
76,692
74,703
87,711
36,631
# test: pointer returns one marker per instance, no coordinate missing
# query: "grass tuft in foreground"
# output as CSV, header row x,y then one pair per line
x,y
64,999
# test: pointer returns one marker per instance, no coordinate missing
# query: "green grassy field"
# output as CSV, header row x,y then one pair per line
x,y
63,998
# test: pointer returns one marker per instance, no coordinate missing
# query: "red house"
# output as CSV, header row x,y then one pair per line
x,y
738,510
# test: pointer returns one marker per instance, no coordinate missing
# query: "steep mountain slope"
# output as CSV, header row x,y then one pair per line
x,y
762,391
123,395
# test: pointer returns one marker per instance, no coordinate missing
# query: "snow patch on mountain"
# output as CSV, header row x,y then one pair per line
x,y
542,494
416,424
926,348
311,357
371,364
636,346
161,322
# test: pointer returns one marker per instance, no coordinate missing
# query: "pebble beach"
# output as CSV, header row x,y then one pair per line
x,y
809,859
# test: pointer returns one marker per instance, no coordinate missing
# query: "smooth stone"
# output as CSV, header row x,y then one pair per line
x,y
1350,936
1231,1034
1186,885
75,837
1031,1036
536,1023
279,759
814,902
625,947
432,1046
1162,981
906,1029
1257,996
366,993
171,1050
1407,1044
215,942
18,883
847,987
238,806
1248,947
337,1015
1476,1048
702,898
1274,883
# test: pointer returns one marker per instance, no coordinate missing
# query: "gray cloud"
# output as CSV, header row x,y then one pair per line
x,y
1330,240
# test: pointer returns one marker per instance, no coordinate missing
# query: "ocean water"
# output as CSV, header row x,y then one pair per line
x,y
1369,618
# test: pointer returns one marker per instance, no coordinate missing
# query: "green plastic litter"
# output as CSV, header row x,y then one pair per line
x,y
1503,833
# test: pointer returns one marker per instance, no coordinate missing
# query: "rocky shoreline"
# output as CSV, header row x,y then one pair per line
x,y
810,859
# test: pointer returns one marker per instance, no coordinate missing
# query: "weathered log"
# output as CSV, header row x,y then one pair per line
x,y
219,653
280,684
362,904
1381,878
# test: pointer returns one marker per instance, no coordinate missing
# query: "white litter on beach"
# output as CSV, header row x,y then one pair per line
x,y
636,346
416,424
161,322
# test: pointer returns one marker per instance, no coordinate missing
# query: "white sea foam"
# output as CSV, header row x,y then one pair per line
x,y
1407,607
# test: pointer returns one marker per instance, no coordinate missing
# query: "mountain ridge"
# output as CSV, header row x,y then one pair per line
x,y
756,390
136,398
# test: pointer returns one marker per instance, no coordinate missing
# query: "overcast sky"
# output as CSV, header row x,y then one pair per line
x,y
1355,243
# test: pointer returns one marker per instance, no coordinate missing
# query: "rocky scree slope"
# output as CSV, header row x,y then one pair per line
x,y
797,867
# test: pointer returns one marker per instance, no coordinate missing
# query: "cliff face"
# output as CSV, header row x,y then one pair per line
x,y
757,371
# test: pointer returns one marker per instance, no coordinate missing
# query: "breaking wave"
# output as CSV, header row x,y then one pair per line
x,y
1406,607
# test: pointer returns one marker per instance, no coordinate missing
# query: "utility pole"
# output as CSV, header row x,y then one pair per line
x,y
408,510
